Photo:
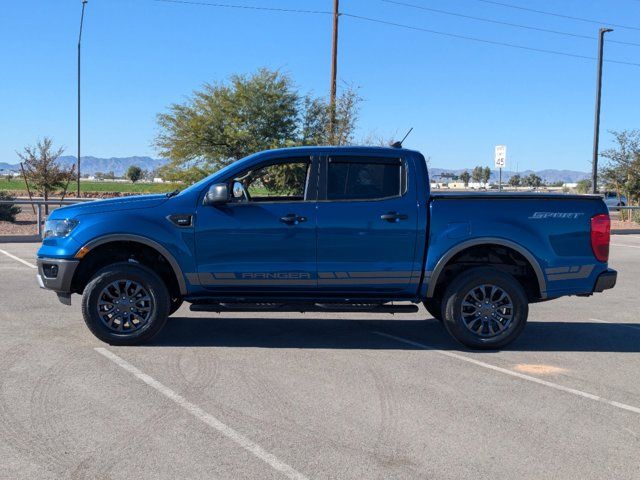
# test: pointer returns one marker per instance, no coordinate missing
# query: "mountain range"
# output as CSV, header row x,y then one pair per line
x,y
91,165
119,165
548,175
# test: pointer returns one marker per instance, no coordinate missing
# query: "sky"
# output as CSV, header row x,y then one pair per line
x,y
461,97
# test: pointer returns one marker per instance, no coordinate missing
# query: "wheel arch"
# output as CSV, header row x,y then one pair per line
x,y
486,241
147,242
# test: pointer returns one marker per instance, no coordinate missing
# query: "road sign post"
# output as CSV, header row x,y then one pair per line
x,y
500,159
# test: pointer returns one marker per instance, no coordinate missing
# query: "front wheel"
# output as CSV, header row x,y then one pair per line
x,y
485,308
125,304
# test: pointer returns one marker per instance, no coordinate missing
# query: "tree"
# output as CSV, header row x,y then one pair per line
x,y
486,175
8,212
477,174
315,120
134,173
515,180
583,186
99,176
224,122
532,180
465,177
42,170
622,171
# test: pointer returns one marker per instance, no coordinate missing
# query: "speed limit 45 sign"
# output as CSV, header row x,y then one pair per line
x,y
500,156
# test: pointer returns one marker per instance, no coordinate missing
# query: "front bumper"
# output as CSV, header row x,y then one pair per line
x,y
606,280
56,274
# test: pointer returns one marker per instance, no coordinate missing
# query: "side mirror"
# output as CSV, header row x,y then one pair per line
x,y
218,194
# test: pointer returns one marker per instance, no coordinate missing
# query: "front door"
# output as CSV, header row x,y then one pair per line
x,y
367,226
264,240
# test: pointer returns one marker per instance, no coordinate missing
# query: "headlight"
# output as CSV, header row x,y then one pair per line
x,y
59,228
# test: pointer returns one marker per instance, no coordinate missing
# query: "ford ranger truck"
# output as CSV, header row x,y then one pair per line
x,y
338,229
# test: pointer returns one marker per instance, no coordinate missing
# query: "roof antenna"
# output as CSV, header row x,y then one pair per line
x,y
399,144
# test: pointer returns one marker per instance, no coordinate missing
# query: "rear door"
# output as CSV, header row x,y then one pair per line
x,y
367,226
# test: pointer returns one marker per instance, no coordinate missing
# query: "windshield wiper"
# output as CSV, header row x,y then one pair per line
x,y
173,194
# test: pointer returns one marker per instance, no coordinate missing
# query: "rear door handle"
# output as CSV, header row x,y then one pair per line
x,y
292,219
393,217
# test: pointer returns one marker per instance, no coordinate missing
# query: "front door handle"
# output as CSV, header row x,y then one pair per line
x,y
292,219
393,217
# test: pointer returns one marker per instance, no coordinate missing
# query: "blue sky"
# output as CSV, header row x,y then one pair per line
x,y
461,97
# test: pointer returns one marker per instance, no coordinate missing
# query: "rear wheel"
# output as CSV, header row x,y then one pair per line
x,y
485,308
125,304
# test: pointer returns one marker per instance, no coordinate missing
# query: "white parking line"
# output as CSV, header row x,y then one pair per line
x,y
205,417
622,245
635,327
18,259
522,376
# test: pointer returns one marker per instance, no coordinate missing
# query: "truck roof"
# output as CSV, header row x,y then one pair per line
x,y
341,149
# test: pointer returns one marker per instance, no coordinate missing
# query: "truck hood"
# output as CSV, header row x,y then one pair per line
x,y
109,205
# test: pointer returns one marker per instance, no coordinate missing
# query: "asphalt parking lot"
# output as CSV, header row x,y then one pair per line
x,y
319,395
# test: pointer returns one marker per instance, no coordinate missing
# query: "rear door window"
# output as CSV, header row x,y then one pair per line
x,y
364,179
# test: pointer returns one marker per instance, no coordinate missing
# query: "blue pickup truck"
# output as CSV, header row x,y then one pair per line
x,y
338,229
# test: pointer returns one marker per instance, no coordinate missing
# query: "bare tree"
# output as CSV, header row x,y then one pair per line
x,y
42,170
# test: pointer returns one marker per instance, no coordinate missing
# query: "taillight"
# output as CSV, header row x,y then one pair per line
x,y
600,236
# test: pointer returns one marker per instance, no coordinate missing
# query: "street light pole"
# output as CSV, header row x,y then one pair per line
x,y
334,72
84,3
596,126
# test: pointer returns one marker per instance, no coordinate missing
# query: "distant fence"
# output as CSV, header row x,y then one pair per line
x,y
37,205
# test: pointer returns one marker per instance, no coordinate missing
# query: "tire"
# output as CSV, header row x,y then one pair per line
x,y
175,304
485,321
142,313
434,307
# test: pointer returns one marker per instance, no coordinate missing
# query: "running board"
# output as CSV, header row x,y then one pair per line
x,y
302,307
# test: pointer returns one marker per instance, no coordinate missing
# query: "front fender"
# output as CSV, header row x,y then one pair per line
x,y
174,243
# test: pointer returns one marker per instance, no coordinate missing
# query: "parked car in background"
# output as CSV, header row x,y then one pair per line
x,y
611,200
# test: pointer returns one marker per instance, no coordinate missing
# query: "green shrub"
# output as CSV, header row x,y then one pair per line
x,y
8,212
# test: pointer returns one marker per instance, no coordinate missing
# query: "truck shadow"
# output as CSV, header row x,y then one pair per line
x,y
316,333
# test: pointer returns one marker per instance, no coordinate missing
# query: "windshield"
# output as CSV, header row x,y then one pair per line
x,y
207,179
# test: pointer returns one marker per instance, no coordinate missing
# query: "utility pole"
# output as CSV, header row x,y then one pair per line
x,y
84,3
334,73
596,127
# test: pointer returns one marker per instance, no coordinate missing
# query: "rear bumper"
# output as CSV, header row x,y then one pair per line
x,y
606,280
56,273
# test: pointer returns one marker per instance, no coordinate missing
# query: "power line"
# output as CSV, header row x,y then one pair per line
x,y
399,25
483,40
499,22
553,14
246,7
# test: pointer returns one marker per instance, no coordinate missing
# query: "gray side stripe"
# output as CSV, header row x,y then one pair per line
x,y
224,275
378,274
385,274
573,269
583,272
207,279
366,281
551,271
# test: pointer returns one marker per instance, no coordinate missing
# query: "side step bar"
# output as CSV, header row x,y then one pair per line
x,y
302,307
